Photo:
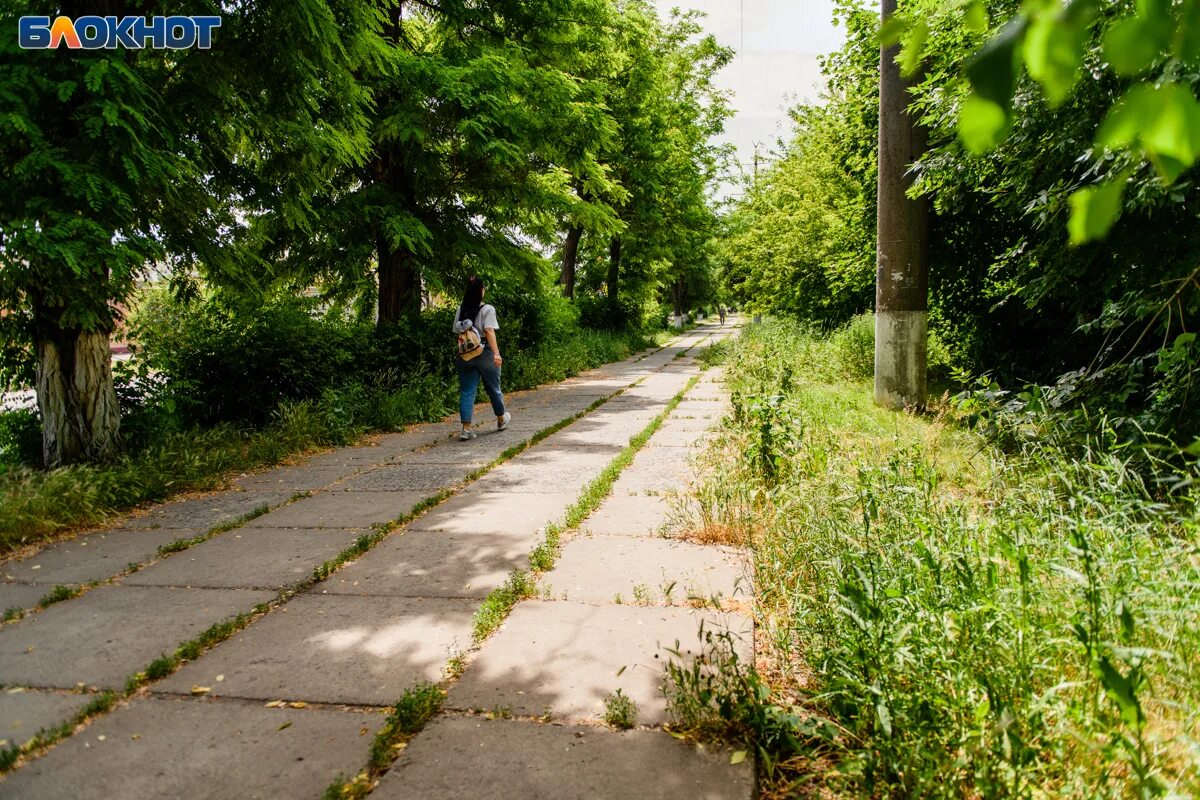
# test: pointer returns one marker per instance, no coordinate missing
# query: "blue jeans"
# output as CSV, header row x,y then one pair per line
x,y
469,373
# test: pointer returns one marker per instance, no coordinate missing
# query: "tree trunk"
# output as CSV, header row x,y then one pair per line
x,y
902,247
80,418
614,267
399,284
569,257
677,292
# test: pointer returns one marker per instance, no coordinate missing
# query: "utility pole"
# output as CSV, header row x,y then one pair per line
x,y
902,244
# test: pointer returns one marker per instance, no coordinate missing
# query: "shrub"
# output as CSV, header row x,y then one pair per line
x,y
20,439
223,362
854,349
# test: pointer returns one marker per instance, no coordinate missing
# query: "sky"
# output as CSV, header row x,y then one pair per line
x,y
777,44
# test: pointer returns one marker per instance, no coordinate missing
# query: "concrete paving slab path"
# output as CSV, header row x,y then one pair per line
x,y
435,564
299,478
471,757
202,750
255,558
358,638
24,713
643,571
93,557
473,511
21,595
341,510
415,475
205,512
111,632
566,658
630,515
334,649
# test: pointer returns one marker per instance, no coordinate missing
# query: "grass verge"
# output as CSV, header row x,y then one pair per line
x,y
938,617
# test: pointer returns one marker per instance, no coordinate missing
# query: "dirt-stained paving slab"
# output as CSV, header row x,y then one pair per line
x,y
200,749
93,556
24,713
566,658
297,478
205,512
407,477
331,509
335,649
255,558
471,757
19,596
111,632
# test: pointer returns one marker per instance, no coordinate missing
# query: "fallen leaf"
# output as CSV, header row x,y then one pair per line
x,y
287,724
101,738
276,704
135,736
16,690
29,649
201,689
298,704
364,730
220,678
738,757
36,566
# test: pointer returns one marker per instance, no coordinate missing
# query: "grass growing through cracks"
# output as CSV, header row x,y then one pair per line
x,y
521,585
974,622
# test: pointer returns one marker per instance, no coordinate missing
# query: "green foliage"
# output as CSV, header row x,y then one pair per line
x,y
519,586
1152,116
620,711
20,439
979,623
801,242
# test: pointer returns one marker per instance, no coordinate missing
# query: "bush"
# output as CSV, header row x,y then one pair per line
x,y
227,363
854,349
20,439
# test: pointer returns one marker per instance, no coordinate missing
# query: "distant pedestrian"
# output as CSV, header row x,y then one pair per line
x,y
478,357
721,313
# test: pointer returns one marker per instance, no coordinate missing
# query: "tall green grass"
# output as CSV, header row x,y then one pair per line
x,y
36,503
976,623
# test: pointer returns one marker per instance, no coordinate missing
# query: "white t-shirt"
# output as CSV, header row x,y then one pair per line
x,y
486,318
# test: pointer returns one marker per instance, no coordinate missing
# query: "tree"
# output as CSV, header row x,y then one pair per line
x,y
115,161
470,154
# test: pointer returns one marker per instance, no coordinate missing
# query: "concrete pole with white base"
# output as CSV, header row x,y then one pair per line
x,y
902,246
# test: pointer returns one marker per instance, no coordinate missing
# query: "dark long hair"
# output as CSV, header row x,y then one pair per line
x,y
472,298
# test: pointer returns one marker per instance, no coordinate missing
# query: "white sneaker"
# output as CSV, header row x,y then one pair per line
x,y
502,423
466,436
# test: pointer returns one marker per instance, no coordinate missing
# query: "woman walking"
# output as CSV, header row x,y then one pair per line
x,y
478,357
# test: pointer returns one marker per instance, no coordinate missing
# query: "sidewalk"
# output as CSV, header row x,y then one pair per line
x,y
342,648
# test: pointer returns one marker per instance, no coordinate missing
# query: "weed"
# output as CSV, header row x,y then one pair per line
x,y
641,595
161,667
414,708
176,546
620,711
13,614
519,586
58,594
